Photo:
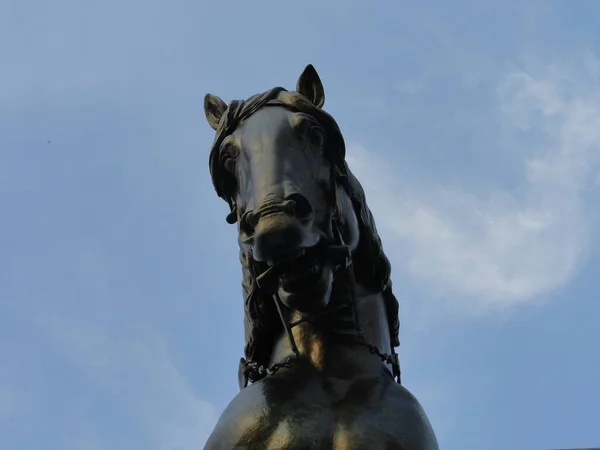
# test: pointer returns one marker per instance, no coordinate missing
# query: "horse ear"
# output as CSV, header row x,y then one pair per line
x,y
309,84
214,108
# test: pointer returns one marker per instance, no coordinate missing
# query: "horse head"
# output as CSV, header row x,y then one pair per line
x,y
278,159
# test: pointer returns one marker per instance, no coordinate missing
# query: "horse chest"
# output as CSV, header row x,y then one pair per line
x,y
329,428
361,416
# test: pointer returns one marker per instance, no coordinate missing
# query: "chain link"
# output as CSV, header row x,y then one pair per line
x,y
257,371
373,350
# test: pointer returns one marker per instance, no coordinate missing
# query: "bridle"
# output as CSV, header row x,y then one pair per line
x,y
338,253
340,256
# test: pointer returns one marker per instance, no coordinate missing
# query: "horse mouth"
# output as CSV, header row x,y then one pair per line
x,y
304,279
299,278
300,268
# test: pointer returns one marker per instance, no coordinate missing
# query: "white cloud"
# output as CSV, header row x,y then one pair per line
x,y
139,371
502,248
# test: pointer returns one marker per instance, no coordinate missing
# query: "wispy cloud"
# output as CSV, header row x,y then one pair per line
x,y
137,369
502,248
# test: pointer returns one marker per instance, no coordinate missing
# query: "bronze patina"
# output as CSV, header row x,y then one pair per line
x,y
321,321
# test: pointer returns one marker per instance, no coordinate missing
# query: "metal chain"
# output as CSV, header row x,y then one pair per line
x,y
256,371
391,359
373,350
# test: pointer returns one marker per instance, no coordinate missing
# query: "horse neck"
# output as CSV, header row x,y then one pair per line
x,y
324,343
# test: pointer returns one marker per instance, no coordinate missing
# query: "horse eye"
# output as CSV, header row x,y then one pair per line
x,y
316,136
228,156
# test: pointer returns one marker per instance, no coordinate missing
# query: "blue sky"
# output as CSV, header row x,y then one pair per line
x,y
474,127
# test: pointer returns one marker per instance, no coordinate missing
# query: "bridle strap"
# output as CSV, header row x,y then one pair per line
x,y
286,326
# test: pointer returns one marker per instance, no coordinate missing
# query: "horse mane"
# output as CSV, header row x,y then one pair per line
x,y
371,266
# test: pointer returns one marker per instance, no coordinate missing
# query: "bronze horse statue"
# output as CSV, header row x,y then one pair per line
x,y
321,322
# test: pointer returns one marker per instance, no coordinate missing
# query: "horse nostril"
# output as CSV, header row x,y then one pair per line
x,y
299,206
248,222
290,207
